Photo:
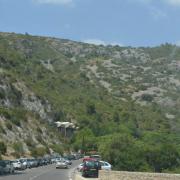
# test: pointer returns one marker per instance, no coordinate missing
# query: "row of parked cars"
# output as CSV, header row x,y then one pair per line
x,y
9,167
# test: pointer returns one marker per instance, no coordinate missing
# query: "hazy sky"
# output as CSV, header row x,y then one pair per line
x,y
124,22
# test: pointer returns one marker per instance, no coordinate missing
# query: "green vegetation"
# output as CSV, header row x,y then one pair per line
x,y
39,151
58,148
18,148
3,148
125,101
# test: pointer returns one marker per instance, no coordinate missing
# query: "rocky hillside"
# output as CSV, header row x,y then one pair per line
x,y
108,89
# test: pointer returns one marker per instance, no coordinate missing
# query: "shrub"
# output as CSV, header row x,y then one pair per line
x,y
57,148
2,94
29,142
16,121
38,152
9,125
147,97
3,148
19,150
2,130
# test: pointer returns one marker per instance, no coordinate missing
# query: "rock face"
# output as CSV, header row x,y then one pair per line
x,y
13,94
32,103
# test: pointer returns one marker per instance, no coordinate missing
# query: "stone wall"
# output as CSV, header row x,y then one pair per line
x,y
121,175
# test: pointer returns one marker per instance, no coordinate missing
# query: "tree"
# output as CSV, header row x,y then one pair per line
x,y
85,140
123,152
163,156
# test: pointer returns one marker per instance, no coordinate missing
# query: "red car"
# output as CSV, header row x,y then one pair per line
x,y
88,159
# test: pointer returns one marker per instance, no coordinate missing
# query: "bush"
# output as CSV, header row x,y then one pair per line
x,y
57,148
3,148
19,150
9,125
16,121
38,152
2,94
2,130
147,97
29,142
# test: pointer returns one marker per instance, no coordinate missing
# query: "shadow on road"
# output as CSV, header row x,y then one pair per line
x,y
13,174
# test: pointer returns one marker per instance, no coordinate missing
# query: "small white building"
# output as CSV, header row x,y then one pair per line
x,y
66,128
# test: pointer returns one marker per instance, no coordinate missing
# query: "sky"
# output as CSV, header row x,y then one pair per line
x,y
117,22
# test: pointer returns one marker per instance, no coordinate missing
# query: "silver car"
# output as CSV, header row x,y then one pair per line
x,y
18,165
61,164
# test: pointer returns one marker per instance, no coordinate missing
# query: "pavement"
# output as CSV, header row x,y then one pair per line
x,y
44,173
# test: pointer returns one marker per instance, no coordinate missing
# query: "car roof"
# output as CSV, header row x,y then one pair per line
x,y
89,159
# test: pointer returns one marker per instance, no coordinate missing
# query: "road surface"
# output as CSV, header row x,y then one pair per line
x,y
48,172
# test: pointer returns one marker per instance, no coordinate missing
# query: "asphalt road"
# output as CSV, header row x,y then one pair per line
x,y
44,173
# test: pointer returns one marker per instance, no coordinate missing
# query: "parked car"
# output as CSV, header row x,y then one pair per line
x,y
69,162
25,162
35,162
88,159
53,160
18,165
80,167
31,163
96,156
9,168
105,165
61,164
40,162
91,168
70,157
2,166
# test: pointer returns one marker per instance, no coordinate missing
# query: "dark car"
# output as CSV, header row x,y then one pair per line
x,y
6,166
2,167
70,157
90,168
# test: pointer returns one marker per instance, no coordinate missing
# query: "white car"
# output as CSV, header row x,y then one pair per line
x,y
105,165
18,165
80,167
61,164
